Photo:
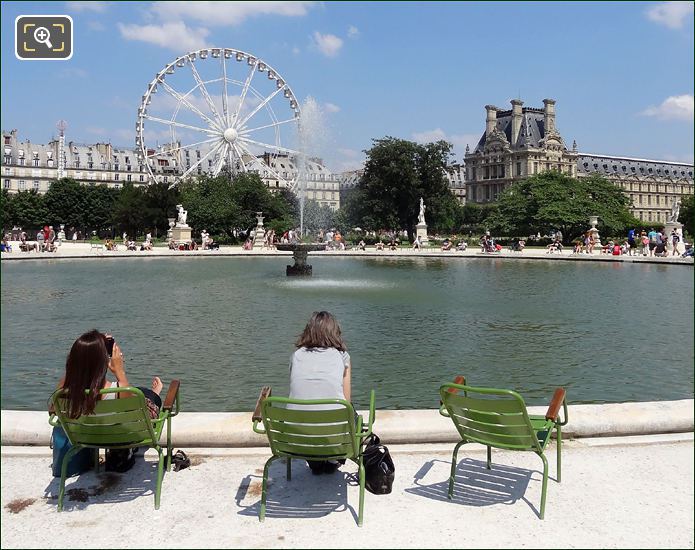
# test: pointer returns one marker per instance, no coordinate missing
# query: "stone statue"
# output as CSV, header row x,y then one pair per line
x,y
675,210
421,215
183,214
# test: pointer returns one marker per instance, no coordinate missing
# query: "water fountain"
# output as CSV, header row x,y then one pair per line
x,y
311,126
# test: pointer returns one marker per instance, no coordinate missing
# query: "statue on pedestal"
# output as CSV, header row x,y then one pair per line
x,y
421,215
675,210
182,216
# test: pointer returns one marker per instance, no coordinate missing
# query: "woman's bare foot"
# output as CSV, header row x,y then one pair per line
x,y
157,385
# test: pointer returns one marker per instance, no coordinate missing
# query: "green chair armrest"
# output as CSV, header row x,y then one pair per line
x,y
372,415
257,429
443,411
171,402
53,420
553,411
266,391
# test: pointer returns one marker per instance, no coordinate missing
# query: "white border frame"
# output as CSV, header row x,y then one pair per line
x,y
72,38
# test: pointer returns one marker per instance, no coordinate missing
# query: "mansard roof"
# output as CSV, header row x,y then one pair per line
x,y
530,134
590,163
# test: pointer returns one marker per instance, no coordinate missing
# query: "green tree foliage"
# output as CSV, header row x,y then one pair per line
x,y
161,201
397,173
7,207
97,207
210,204
317,217
130,210
551,200
25,209
65,203
687,214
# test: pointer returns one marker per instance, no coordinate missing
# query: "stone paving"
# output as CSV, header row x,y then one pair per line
x,y
629,492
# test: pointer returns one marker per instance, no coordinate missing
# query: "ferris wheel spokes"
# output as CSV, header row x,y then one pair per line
x,y
262,104
278,148
247,85
182,147
209,131
225,107
271,125
204,92
182,99
201,160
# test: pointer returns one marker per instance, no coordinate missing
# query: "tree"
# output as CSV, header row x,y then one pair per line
x,y
26,209
687,214
552,200
7,210
397,173
97,207
160,203
129,210
210,204
65,203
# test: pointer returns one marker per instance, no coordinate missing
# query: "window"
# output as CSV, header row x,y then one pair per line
x,y
117,177
22,185
8,159
90,165
115,166
36,162
142,178
6,183
487,173
166,179
129,177
535,167
518,168
501,173
8,140
21,161
487,192
36,185
494,172
649,200
475,175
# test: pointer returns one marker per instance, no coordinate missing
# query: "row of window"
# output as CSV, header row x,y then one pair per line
x,y
656,188
642,170
35,185
658,200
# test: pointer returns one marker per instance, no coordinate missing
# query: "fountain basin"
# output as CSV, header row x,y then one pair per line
x,y
300,251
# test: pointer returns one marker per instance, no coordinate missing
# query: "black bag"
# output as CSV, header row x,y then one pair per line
x,y
378,465
119,460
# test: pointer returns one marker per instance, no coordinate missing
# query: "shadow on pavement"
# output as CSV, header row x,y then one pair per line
x,y
476,485
305,496
106,487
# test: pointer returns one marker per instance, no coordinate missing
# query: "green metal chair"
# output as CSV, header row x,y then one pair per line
x,y
320,434
121,423
498,418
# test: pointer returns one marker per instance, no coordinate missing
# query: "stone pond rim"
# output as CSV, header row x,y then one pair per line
x,y
300,251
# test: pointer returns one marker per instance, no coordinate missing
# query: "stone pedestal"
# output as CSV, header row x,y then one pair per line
x,y
421,231
593,220
668,227
181,233
259,234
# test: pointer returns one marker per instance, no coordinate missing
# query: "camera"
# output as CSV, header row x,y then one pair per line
x,y
109,341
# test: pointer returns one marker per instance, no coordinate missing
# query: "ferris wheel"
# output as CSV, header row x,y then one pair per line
x,y
205,110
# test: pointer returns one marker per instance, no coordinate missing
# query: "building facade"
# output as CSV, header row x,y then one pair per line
x,y
521,142
517,143
27,165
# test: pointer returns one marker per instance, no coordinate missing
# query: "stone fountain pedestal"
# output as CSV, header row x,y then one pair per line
x,y
668,227
300,253
181,233
259,234
421,231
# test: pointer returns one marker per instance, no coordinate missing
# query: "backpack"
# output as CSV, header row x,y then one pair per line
x,y
80,462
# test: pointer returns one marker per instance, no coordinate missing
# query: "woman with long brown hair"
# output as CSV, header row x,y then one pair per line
x,y
320,368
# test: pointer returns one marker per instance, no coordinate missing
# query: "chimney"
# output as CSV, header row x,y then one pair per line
x,y
491,120
549,115
516,119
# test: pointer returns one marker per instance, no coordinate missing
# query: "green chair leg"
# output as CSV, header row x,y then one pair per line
x,y
64,473
261,515
289,468
362,481
169,444
452,477
545,483
559,453
489,457
160,474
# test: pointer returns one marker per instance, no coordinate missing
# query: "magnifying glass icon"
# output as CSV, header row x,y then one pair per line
x,y
43,36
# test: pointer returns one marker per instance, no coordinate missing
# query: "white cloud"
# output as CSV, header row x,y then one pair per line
x,y
226,13
675,107
95,26
671,14
328,44
98,7
429,136
96,130
353,32
174,35
296,51
331,108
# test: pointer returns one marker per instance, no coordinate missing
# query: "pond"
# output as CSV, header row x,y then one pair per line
x,y
608,332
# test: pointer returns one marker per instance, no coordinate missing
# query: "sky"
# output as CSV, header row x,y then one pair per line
x,y
621,72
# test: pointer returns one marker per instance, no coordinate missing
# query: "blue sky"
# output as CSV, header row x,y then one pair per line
x,y
622,73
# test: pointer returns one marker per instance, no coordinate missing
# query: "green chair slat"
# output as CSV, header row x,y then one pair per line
x,y
309,429
319,416
494,428
498,440
499,405
312,439
342,451
112,418
96,429
140,436
492,417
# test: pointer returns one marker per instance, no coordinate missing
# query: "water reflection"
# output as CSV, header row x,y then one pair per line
x,y
226,326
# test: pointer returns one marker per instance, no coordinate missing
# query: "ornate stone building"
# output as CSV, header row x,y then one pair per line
x,y
517,143
522,142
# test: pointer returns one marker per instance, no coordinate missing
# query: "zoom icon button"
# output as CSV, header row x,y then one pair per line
x,y
43,37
